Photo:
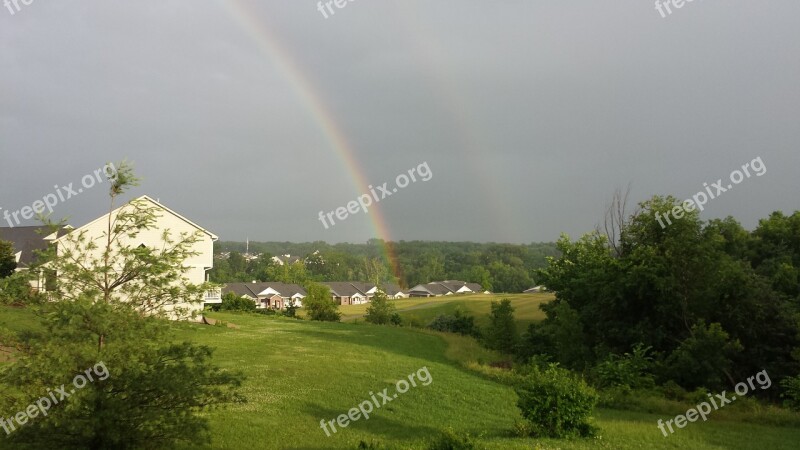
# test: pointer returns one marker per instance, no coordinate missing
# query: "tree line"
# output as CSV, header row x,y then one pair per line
x,y
496,267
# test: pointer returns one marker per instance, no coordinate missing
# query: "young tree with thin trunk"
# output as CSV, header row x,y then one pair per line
x,y
109,309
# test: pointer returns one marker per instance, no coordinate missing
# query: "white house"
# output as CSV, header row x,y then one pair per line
x,y
26,241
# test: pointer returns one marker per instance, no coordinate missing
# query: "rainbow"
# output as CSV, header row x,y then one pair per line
x,y
244,15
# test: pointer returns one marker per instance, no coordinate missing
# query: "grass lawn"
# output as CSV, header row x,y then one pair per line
x,y
301,372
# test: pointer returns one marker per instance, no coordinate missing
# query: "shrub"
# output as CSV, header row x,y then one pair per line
x,y
396,319
319,304
232,302
290,310
557,403
450,440
16,290
459,322
791,392
380,310
629,371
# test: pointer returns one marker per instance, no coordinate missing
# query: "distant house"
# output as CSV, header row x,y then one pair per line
x,y
393,291
441,288
269,294
477,288
27,240
286,259
351,293
535,289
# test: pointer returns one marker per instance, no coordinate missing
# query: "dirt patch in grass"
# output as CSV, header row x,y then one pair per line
x,y
7,354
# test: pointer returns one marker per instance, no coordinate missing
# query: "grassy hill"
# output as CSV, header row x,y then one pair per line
x,y
302,372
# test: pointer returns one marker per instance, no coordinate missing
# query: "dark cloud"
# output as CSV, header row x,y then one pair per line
x,y
529,114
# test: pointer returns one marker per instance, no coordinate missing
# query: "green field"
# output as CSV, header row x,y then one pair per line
x,y
526,307
301,372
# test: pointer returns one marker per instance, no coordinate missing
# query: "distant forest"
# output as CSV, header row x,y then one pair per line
x,y
497,267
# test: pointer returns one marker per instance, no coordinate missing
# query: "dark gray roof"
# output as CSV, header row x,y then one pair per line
x,y
347,288
475,287
445,287
391,289
27,240
239,289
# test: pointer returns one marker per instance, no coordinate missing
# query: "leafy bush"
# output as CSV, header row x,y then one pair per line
x,y
232,302
791,392
290,309
16,290
380,310
319,304
396,319
702,359
629,371
557,403
459,322
450,440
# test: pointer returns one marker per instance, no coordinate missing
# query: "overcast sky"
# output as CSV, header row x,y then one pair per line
x,y
528,113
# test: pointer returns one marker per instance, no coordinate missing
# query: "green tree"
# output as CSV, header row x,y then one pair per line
x,y
380,309
319,304
8,263
659,284
502,332
233,302
108,313
288,273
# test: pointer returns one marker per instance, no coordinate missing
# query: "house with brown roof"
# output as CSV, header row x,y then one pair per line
x,y
268,294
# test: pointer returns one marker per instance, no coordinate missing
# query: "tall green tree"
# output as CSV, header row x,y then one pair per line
x,y
8,263
109,312
660,287
502,334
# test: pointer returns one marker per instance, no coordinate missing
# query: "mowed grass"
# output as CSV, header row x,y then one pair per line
x,y
300,372
424,310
